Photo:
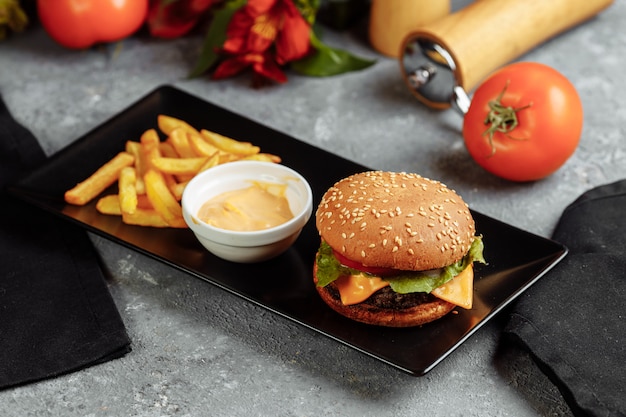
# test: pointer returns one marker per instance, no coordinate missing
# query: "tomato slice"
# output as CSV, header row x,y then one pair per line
x,y
374,270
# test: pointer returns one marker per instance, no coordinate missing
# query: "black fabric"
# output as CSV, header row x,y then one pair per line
x,y
56,313
573,321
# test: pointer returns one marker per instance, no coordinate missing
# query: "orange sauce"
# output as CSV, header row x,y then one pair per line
x,y
260,206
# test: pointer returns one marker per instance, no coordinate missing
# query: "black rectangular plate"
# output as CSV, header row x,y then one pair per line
x,y
284,285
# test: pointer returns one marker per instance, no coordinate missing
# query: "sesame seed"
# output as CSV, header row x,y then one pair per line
x,y
395,249
362,254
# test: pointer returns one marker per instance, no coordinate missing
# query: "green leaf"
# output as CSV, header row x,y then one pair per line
x,y
326,61
215,37
308,9
429,280
328,267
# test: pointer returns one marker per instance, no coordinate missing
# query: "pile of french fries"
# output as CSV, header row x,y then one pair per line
x,y
152,174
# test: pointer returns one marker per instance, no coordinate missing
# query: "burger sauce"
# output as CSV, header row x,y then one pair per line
x,y
260,206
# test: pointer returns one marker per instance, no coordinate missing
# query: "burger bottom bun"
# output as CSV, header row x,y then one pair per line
x,y
370,314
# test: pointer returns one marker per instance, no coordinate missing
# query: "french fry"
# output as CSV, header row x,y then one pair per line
x,y
178,189
200,146
109,204
167,149
143,202
180,141
210,162
150,137
152,174
161,197
100,180
264,157
151,150
134,148
179,166
228,157
144,217
229,145
167,124
127,191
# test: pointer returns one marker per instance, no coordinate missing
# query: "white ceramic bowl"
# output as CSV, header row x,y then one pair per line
x,y
252,246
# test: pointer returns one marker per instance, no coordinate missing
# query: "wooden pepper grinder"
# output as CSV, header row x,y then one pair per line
x,y
445,58
392,20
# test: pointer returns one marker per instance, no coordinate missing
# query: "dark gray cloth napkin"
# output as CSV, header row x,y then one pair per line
x,y
573,321
56,312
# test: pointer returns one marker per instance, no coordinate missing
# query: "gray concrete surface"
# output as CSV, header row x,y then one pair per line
x,y
198,350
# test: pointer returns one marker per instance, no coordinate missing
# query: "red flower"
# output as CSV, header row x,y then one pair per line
x,y
174,19
264,35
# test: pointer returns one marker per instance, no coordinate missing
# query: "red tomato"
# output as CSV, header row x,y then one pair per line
x,y
82,23
524,122
374,270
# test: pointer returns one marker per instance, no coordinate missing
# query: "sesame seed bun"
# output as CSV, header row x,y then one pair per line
x,y
395,220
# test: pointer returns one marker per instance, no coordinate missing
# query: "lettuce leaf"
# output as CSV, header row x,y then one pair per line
x,y
329,269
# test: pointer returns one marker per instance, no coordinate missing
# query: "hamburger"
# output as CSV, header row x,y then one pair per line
x,y
397,249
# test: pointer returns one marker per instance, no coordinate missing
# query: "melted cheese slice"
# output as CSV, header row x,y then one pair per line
x,y
459,290
354,289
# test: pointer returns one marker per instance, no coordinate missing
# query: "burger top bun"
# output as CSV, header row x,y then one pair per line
x,y
395,220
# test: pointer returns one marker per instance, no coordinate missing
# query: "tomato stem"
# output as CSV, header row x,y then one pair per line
x,y
502,119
